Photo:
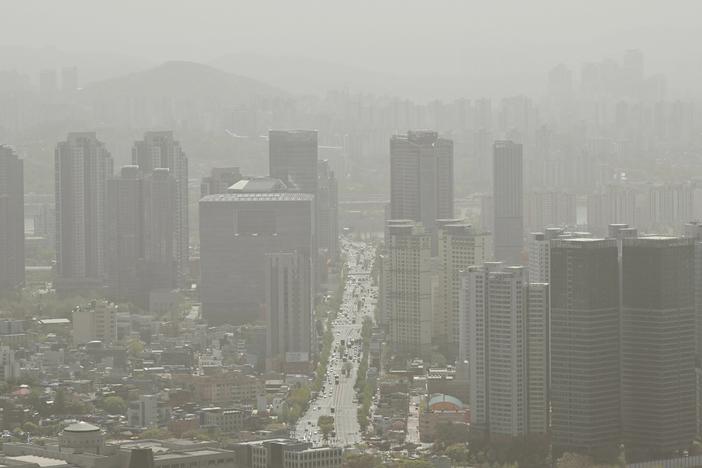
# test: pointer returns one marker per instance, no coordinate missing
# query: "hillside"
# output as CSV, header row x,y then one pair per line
x,y
305,75
187,81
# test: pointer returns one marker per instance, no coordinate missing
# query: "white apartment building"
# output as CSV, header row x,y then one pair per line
x,y
503,330
409,301
95,321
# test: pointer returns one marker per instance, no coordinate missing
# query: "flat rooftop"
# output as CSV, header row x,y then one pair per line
x,y
41,461
257,196
189,453
54,321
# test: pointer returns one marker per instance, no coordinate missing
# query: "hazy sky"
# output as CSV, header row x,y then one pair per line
x,y
451,36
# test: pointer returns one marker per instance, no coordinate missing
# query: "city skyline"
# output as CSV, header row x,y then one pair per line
x,y
317,235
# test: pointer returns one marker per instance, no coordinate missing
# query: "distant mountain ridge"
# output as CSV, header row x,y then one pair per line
x,y
184,80
306,75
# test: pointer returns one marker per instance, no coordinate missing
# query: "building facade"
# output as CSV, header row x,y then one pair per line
x,y
327,213
286,453
658,345
226,420
143,412
408,293
585,337
160,150
237,229
292,158
670,205
506,342
538,346
95,321
124,234
225,388
421,178
141,236
288,307
508,202
545,209
11,220
614,204
693,230
460,246
540,254
82,168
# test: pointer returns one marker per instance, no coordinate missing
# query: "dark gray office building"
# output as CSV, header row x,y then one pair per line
x,y
161,150
327,212
292,158
658,345
288,309
11,220
237,229
421,178
124,238
693,230
141,236
585,370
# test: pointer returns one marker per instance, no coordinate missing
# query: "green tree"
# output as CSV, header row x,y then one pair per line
x,y
75,406
135,347
361,460
31,428
451,433
575,460
326,425
294,414
298,401
531,451
60,401
458,453
114,405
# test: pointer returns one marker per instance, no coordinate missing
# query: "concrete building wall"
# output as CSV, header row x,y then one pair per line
x,y
409,291
585,370
288,306
460,246
421,178
236,231
292,158
508,202
161,150
658,344
11,220
82,167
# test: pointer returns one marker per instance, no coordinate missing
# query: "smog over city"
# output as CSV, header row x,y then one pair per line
x,y
328,234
